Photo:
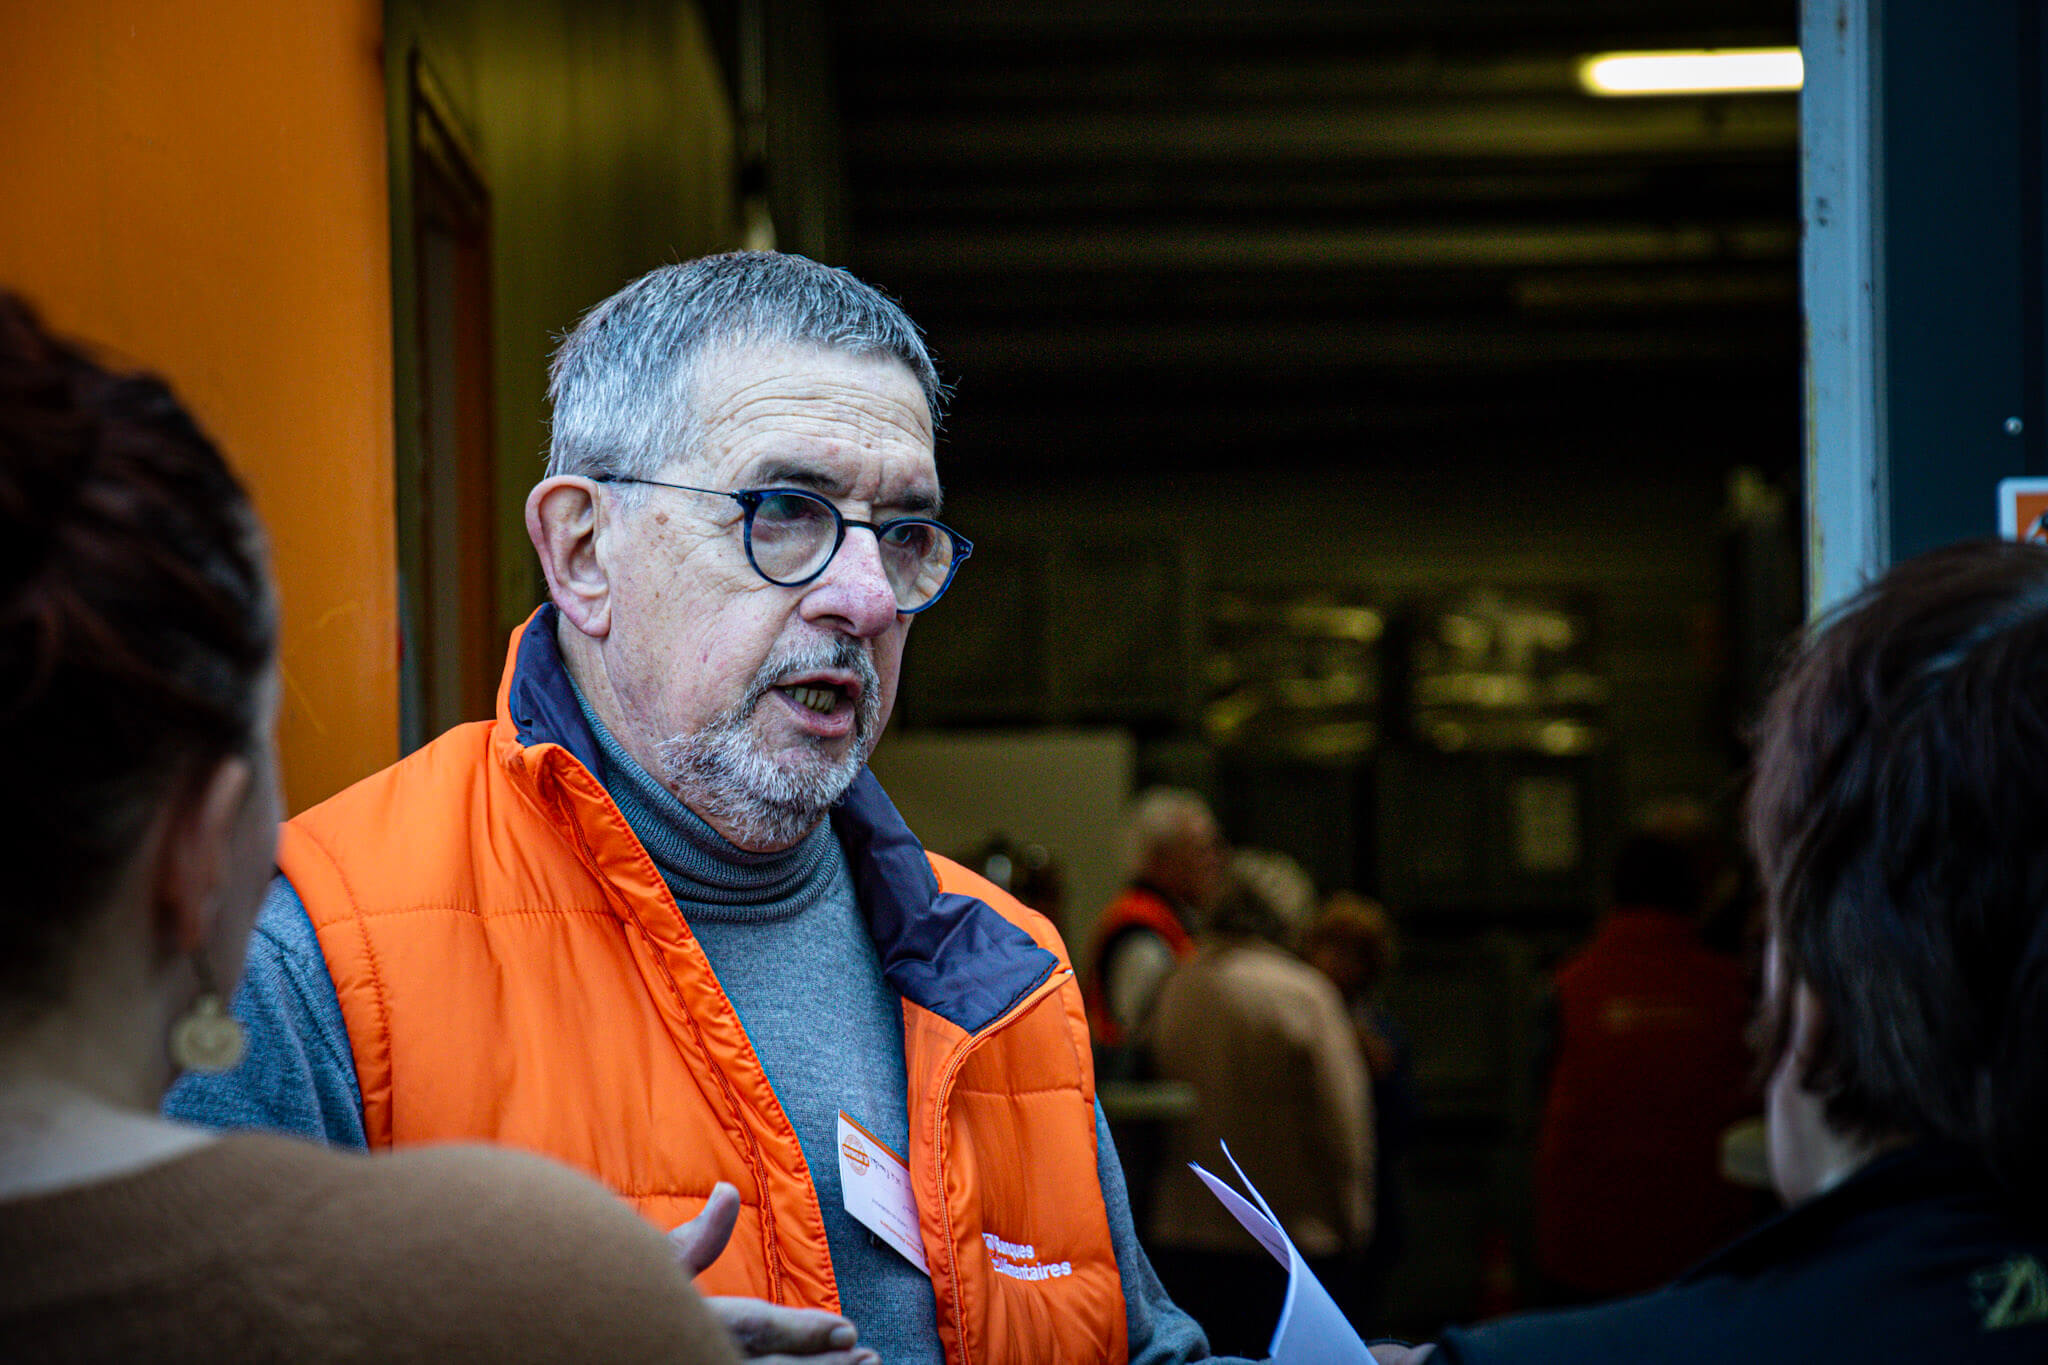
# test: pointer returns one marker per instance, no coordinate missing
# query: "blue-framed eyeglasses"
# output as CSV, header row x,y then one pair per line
x,y
791,535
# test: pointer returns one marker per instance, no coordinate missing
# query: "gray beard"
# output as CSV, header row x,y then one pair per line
x,y
760,803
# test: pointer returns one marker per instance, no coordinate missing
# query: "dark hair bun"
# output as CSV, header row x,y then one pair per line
x,y
136,624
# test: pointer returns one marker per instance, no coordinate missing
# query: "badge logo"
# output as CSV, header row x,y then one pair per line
x,y
854,1152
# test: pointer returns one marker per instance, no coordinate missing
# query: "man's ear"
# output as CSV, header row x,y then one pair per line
x,y
192,856
562,520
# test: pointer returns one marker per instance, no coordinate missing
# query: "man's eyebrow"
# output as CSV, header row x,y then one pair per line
x,y
918,502
797,474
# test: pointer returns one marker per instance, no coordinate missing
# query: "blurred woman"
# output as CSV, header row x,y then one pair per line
x,y
1354,943
1899,817
138,679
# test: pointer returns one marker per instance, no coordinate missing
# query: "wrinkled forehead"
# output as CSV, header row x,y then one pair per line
x,y
859,420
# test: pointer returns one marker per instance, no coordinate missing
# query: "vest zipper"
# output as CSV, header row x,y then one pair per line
x,y
967,1047
771,1241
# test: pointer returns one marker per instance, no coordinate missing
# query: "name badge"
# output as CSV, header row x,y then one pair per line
x,y
875,1184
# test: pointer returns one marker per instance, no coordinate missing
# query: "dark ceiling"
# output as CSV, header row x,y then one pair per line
x,y
1145,234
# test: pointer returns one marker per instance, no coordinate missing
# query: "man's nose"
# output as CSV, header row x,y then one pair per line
x,y
854,593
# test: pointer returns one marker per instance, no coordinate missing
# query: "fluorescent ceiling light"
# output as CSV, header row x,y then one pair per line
x,y
1702,71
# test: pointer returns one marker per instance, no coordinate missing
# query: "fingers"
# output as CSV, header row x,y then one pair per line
x,y
698,1242
767,1331
1402,1355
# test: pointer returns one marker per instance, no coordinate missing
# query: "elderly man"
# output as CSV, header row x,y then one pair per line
x,y
658,921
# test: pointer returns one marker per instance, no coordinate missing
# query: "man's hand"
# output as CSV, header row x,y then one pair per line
x,y
1402,1355
698,1242
786,1336
765,1331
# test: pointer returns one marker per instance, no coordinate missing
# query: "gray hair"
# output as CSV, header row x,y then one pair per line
x,y
1158,817
622,382
1282,883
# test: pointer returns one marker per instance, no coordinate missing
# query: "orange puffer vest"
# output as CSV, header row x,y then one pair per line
x,y
512,969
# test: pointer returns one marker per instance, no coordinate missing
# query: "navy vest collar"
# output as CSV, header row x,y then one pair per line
x,y
951,954
541,700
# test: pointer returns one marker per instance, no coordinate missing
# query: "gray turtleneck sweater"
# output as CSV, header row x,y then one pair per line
x,y
790,948
789,944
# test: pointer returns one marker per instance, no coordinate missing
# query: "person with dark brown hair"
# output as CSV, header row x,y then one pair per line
x,y
1354,942
1899,818
138,677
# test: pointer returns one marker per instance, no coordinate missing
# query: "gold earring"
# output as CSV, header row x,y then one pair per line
x,y
207,1038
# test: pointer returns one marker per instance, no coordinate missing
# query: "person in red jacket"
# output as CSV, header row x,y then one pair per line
x,y
1648,1067
1898,816
1177,866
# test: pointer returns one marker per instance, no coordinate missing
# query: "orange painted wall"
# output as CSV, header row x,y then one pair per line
x,y
200,187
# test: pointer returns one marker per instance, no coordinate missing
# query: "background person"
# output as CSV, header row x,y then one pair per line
x,y
1648,1067
1027,870
1264,1040
138,678
1353,942
1899,819
1177,859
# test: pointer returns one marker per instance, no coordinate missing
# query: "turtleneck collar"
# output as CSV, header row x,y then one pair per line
x,y
711,877
946,952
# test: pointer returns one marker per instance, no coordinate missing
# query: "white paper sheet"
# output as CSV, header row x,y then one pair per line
x,y
1312,1329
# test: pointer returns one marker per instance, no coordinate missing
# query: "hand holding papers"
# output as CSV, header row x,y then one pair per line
x,y
1312,1329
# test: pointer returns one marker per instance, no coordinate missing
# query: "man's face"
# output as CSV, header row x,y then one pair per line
x,y
1192,864
759,701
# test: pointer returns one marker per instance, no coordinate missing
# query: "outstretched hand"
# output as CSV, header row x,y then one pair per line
x,y
766,1332
1402,1355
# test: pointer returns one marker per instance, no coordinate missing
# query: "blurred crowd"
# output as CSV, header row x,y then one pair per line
x,y
1221,975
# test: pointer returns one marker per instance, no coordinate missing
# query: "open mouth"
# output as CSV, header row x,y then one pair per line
x,y
820,695
823,700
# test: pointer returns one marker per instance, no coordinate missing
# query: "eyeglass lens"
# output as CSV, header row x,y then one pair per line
x,y
793,536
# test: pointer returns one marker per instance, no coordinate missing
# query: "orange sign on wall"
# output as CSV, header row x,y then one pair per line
x,y
2023,509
